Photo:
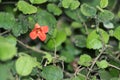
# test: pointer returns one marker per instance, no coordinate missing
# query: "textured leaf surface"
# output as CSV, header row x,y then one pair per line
x,y
52,73
7,20
94,39
26,8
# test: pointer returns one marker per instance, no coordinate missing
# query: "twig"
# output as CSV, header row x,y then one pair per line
x,y
78,70
3,33
86,29
34,49
95,60
114,67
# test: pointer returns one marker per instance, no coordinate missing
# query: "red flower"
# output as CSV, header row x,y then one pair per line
x,y
39,31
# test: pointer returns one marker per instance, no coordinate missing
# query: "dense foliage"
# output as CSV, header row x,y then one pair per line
x,y
73,40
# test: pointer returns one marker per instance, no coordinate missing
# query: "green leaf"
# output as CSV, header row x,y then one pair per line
x,y
85,60
6,71
21,26
11,39
105,16
48,57
79,77
76,15
52,73
54,9
25,64
7,50
66,3
117,33
104,75
88,10
57,41
80,41
7,20
74,5
94,39
103,3
26,8
38,1
102,64
108,25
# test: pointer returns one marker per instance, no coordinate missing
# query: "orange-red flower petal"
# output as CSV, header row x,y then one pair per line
x,y
33,35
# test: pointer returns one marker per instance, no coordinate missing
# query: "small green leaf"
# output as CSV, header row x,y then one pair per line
x,y
48,57
54,9
116,33
74,5
7,20
108,25
88,10
102,64
79,77
105,16
66,3
57,41
7,49
80,41
38,1
26,8
85,60
94,39
52,73
103,3
25,64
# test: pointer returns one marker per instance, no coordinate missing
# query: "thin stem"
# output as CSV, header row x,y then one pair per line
x,y
98,7
95,60
114,67
4,33
86,29
33,49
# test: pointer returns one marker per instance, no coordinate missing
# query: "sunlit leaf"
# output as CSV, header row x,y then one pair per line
x,y
26,8
94,39
103,3
102,64
38,1
7,49
117,33
85,60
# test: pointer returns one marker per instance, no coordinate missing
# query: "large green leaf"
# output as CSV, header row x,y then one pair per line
x,y
105,16
7,49
6,70
25,64
117,33
88,10
26,8
38,1
7,20
52,73
21,26
94,39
